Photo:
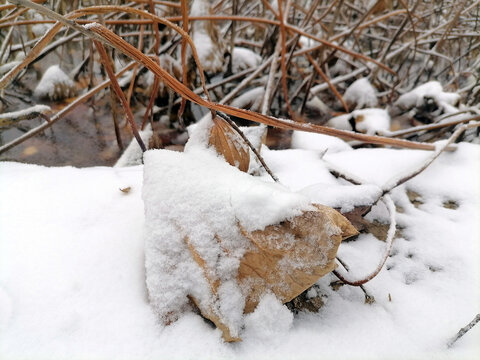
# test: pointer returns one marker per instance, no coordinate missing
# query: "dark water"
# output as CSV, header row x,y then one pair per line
x,y
85,137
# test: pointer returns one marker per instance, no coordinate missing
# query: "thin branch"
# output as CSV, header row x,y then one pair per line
x,y
464,330
245,139
120,94
388,247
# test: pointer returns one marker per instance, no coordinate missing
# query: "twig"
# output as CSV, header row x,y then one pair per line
x,y
11,118
369,299
464,330
119,92
242,135
432,126
391,234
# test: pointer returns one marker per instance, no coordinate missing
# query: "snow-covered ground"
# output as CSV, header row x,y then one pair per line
x,y
72,273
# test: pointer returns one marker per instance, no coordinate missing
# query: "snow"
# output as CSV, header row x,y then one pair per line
x,y
361,94
206,38
25,112
433,89
250,100
208,52
319,142
55,84
187,220
244,58
133,154
369,121
4,68
38,29
344,197
72,266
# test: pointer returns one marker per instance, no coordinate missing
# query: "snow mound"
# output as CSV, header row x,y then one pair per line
x,y
72,282
55,85
244,58
368,121
361,94
177,184
420,95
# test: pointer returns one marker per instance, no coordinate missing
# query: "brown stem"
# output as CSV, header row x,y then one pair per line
x,y
121,96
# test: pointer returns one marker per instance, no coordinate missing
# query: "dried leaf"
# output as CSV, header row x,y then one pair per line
x,y
228,143
286,259
125,190
290,257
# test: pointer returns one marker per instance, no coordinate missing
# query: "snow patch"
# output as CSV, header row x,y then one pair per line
x,y
55,85
319,142
361,94
244,58
369,121
270,321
